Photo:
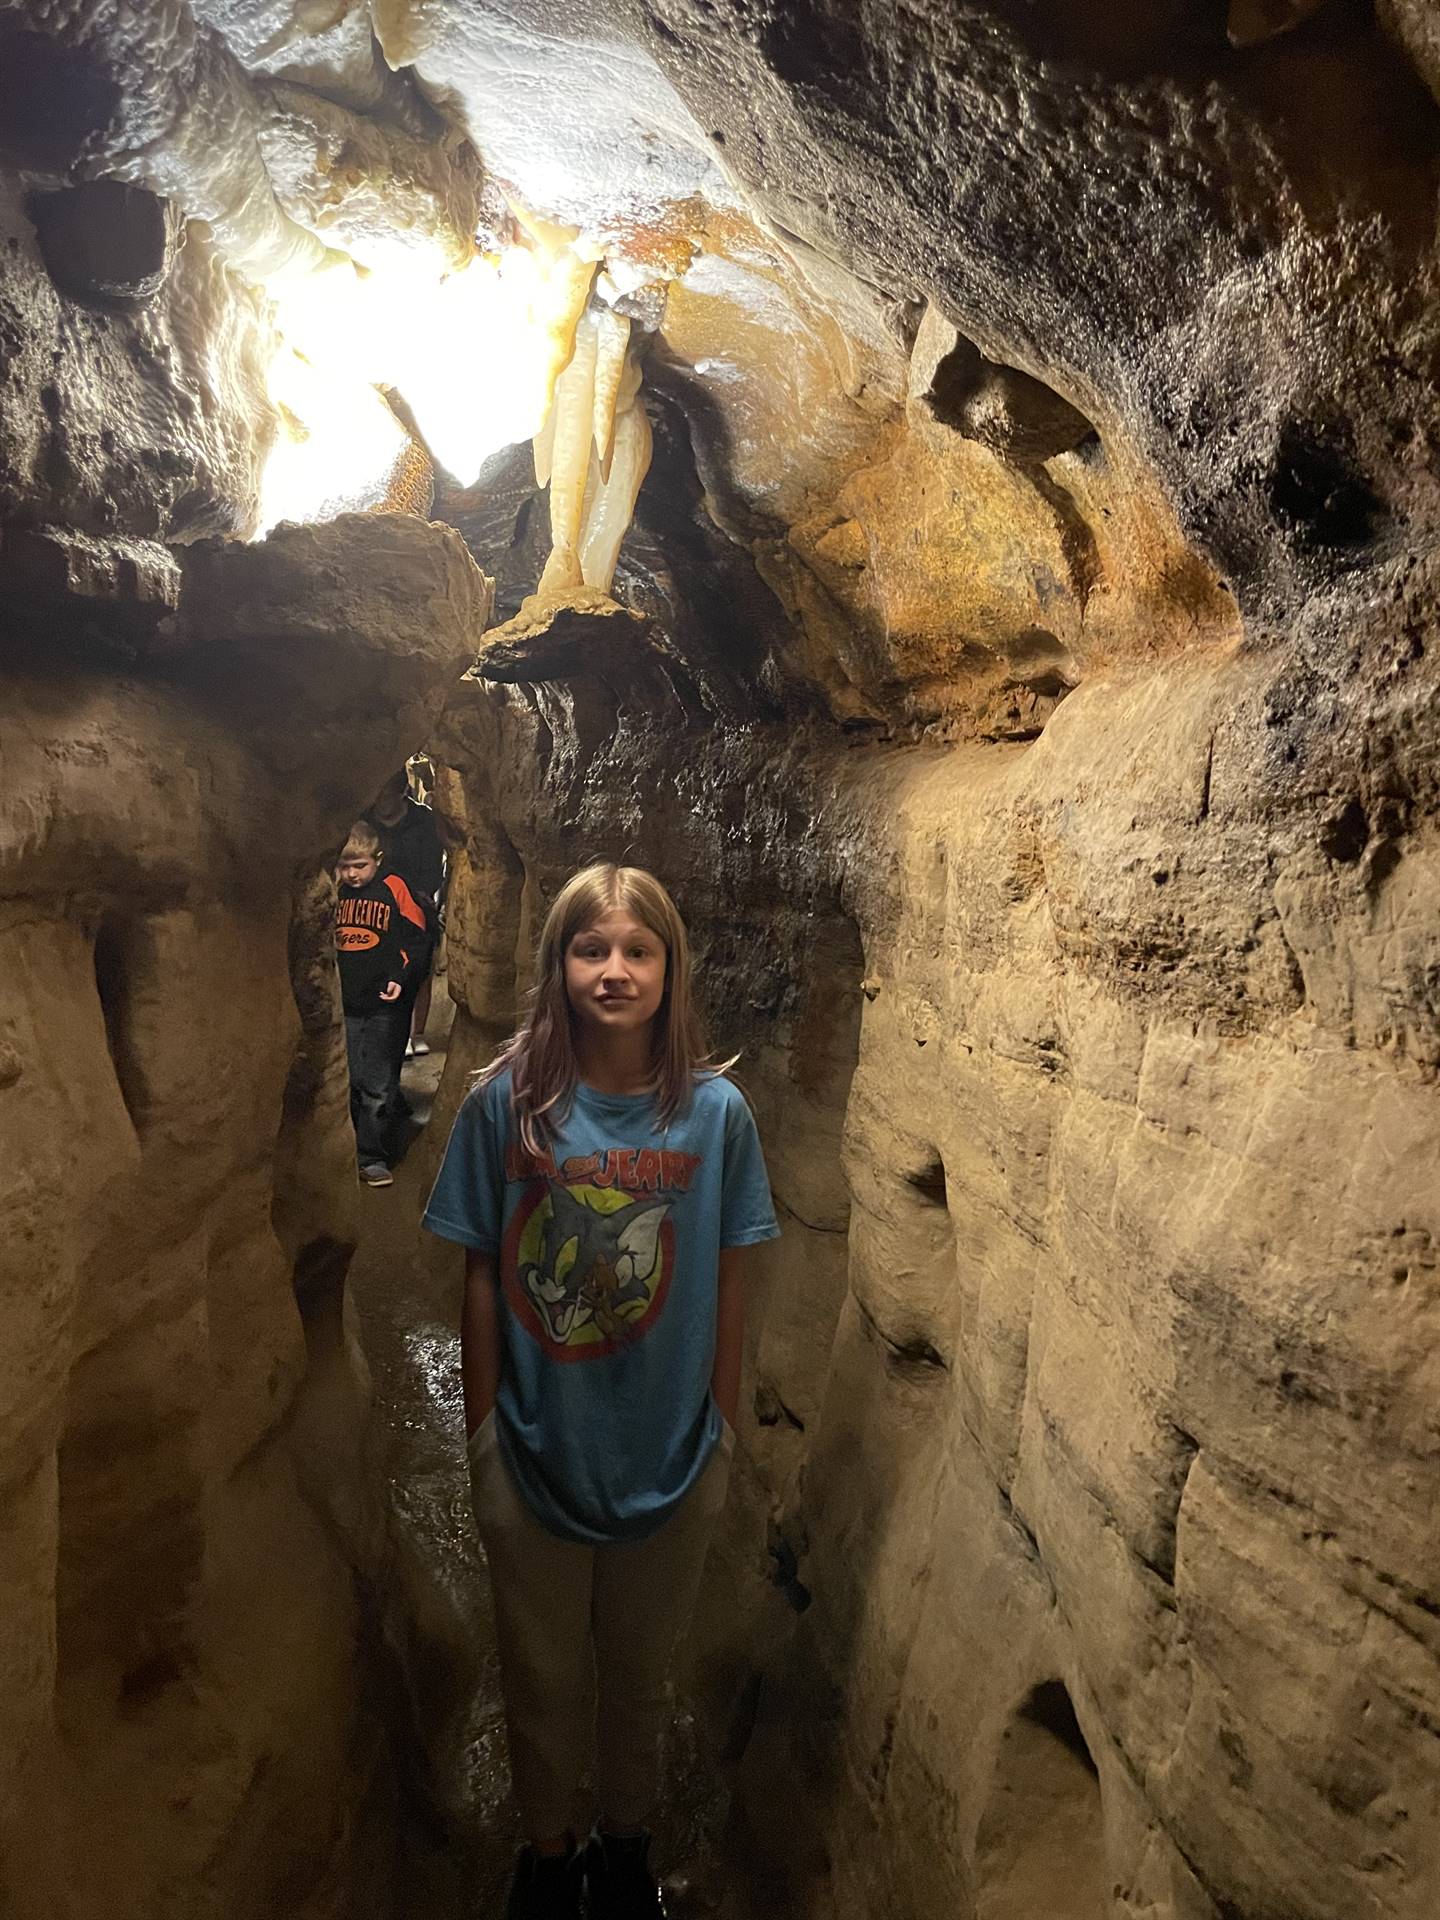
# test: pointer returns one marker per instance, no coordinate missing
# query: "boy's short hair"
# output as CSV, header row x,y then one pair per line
x,y
361,843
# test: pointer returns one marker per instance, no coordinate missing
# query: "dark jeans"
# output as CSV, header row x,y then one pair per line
x,y
375,1043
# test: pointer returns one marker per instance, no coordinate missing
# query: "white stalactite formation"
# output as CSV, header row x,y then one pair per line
x,y
593,451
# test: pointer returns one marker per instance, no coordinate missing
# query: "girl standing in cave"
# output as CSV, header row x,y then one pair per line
x,y
604,1180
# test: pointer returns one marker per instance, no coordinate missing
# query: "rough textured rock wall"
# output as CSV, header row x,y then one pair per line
x,y
187,1534
1058,831
1087,969
1122,1379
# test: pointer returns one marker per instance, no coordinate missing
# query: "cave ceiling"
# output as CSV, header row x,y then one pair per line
x,y
1002,342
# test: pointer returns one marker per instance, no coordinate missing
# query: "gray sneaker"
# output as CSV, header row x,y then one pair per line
x,y
377,1174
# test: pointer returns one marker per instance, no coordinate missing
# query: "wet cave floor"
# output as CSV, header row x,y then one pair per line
x,y
456,1829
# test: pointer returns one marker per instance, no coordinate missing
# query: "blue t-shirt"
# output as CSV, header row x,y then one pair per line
x,y
609,1248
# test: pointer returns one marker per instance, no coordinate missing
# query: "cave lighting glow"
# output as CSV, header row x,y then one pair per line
x,y
337,445
471,353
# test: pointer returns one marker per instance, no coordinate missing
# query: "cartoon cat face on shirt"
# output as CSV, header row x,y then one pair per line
x,y
615,1256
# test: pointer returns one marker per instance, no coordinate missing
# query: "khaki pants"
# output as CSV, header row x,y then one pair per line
x,y
586,1638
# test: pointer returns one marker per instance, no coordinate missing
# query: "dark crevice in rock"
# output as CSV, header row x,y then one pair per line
x,y
785,1573
116,960
771,1410
929,1182
1345,836
1320,494
911,1351
1012,413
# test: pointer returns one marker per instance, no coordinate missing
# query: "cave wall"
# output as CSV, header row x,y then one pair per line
x,y
188,1531
1063,859
191,1641
1106,1361
1027,687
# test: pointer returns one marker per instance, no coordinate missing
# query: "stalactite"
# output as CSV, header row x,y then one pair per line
x,y
611,341
610,506
593,451
573,410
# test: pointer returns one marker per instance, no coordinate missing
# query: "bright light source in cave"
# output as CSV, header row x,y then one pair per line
x,y
477,357
471,354
337,446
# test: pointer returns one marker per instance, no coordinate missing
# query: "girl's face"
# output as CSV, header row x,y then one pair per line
x,y
615,974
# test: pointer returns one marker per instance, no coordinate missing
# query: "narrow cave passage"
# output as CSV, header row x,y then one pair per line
x,y
951,489
1040,1853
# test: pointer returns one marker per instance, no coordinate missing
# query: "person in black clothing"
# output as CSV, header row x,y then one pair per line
x,y
381,935
410,845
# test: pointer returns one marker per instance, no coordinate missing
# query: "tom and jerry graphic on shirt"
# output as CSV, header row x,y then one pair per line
x,y
590,1253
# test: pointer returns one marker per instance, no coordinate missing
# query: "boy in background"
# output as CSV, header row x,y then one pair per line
x,y
381,942
410,845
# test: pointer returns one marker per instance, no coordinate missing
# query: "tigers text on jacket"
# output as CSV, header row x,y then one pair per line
x,y
381,934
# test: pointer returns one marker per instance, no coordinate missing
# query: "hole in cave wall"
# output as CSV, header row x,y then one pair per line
x,y
929,1181
914,1326
957,375
1040,1850
1318,490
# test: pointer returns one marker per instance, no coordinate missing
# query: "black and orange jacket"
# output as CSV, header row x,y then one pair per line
x,y
381,934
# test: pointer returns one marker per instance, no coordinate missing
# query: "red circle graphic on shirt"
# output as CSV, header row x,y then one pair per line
x,y
586,1269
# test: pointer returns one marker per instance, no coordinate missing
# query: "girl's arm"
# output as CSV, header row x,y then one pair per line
x,y
479,1339
729,1331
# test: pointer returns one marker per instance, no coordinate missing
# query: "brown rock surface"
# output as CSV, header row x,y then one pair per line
x,y
1120,1383
186,1530
1084,1483
1035,713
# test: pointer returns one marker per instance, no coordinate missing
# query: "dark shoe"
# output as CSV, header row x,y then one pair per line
x,y
542,1888
618,1882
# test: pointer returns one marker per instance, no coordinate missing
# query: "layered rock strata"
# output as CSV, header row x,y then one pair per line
x,y
1022,667
190,1539
1085,969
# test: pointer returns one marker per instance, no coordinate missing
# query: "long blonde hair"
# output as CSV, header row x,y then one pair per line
x,y
541,1057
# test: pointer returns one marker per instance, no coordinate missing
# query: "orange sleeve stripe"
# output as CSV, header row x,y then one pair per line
x,y
405,900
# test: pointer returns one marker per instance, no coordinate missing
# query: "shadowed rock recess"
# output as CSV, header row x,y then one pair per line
x,y
1022,664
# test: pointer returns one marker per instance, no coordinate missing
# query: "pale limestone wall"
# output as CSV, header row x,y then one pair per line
x,y
1137,1397
187,1531
1097,1081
